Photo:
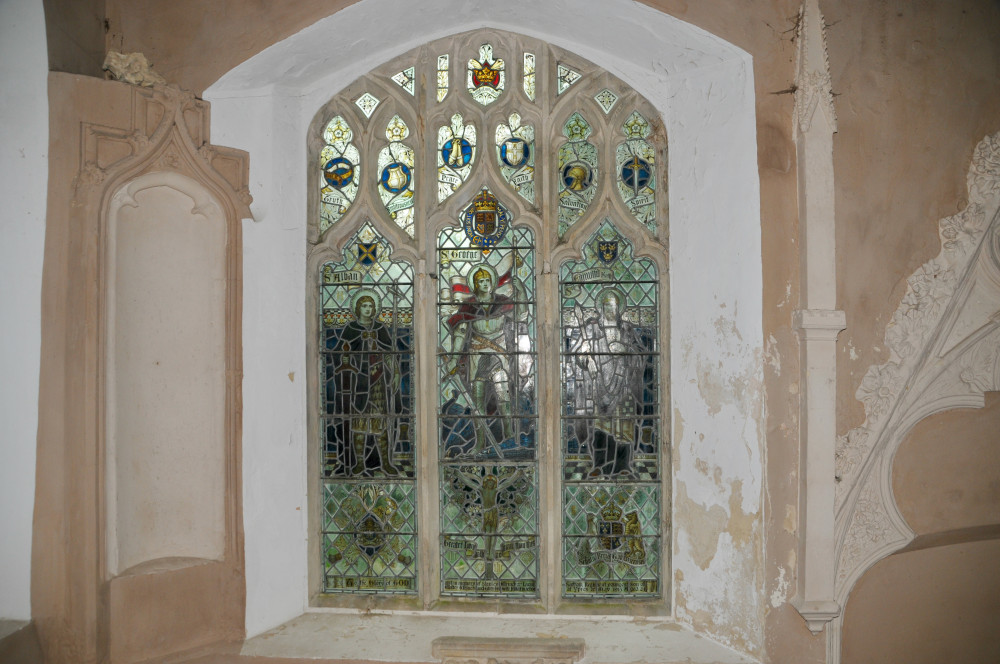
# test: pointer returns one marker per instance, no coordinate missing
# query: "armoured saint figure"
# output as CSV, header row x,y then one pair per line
x,y
368,377
608,372
483,332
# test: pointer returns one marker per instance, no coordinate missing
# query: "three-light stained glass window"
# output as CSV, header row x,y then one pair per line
x,y
489,415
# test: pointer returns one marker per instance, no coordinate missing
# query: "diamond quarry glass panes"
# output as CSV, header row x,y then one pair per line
x,y
611,488
460,455
366,357
488,405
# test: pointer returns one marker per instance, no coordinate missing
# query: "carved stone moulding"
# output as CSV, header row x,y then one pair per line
x,y
483,650
168,129
944,353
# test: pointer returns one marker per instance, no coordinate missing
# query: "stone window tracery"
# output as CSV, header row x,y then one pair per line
x,y
491,402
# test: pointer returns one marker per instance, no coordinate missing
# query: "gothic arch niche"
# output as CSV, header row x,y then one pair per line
x,y
702,89
166,372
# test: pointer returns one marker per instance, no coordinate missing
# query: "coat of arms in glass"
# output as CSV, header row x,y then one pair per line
x,y
611,420
487,420
367,419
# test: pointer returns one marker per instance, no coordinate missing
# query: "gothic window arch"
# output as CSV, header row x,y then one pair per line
x,y
488,270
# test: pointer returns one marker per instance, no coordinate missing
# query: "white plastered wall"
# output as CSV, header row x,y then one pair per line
x,y
704,89
24,144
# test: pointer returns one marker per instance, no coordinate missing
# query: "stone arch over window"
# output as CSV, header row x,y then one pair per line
x,y
702,88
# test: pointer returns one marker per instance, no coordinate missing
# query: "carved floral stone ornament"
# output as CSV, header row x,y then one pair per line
x,y
132,68
944,353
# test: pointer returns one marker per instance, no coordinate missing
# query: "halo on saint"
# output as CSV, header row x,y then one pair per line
x,y
618,295
370,294
476,269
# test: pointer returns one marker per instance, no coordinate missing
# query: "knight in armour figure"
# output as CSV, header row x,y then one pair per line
x,y
483,339
368,379
608,375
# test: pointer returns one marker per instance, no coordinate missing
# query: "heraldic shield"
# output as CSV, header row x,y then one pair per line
x,y
607,251
486,220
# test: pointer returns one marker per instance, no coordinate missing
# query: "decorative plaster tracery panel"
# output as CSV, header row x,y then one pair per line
x,y
944,343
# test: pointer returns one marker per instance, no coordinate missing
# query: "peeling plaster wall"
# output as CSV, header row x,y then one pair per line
x,y
24,137
918,86
704,88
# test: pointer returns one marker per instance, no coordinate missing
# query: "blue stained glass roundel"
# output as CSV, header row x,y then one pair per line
x,y
577,176
636,173
395,177
515,152
457,152
338,172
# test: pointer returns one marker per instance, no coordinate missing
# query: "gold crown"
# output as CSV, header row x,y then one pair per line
x,y
484,74
611,513
485,201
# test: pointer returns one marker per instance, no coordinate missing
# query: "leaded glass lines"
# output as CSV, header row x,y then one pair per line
x,y
611,489
455,156
442,77
487,420
475,227
528,73
635,160
368,512
341,164
395,175
486,76
565,77
516,156
577,171
405,79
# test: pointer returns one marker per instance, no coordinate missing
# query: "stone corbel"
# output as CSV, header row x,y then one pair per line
x,y
818,322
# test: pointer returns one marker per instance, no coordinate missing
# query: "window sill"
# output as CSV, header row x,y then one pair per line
x,y
404,636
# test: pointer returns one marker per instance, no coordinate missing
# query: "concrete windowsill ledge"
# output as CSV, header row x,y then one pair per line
x,y
410,637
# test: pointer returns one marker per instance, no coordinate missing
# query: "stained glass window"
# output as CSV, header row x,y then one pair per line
x,y
635,160
456,146
488,407
405,79
611,489
395,175
516,155
528,80
368,103
366,403
540,474
606,99
442,77
565,77
486,76
341,164
577,171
